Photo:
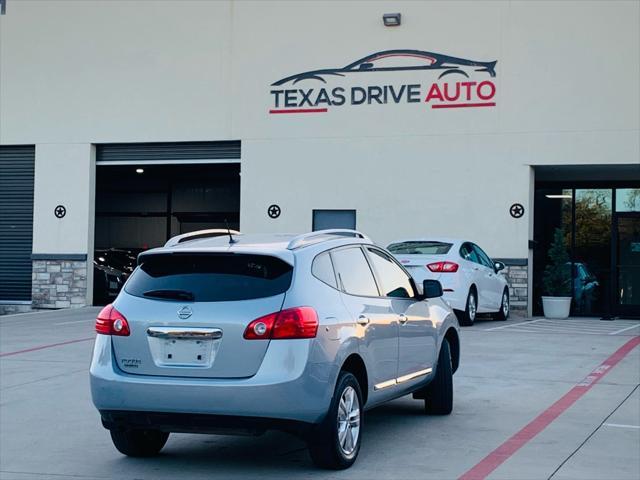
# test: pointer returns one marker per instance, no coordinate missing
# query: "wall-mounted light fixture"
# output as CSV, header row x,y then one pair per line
x,y
391,19
139,170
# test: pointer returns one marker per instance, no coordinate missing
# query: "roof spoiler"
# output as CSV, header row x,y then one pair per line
x,y
199,234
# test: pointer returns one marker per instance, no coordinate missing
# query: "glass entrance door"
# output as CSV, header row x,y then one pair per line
x,y
628,264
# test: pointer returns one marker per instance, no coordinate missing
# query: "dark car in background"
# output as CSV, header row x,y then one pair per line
x,y
111,268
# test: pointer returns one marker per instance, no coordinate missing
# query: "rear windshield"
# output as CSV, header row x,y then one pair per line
x,y
420,248
210,277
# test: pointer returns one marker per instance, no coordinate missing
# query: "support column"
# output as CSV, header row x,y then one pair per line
x,y
63,225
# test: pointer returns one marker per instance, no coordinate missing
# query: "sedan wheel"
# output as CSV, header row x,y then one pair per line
x,y
503,314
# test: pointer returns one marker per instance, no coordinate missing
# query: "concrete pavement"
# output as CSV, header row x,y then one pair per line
x,y
510,373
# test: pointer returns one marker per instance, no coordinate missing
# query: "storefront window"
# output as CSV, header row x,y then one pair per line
x,y
553,212
628,200
592,250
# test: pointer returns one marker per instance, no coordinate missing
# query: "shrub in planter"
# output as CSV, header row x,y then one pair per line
x,y
557,279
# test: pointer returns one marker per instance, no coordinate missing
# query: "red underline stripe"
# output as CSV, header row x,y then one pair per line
x,y
463,105
298,110
501,454
42,347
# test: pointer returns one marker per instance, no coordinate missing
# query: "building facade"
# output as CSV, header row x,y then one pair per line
x,y
123,123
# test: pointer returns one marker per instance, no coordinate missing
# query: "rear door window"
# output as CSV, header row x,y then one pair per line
x,y
394,281
484,258
353,272
210,277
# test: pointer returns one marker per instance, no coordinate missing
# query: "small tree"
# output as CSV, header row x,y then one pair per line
x,y
557,273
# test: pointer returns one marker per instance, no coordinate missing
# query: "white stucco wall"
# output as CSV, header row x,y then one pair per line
x,y
82,72
64,175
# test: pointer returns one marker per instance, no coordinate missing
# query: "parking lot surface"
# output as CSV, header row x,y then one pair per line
x,y
534,399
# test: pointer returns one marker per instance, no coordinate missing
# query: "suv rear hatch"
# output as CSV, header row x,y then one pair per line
x,y
187,313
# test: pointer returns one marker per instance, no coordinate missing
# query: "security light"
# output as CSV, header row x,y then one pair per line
x,y
139,170
391,19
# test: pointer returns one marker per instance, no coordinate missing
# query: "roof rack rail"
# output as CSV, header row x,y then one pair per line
x,y
199,234
316,237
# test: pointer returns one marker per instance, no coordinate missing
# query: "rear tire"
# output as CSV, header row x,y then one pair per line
x,y
503,313
329,445
139,443
467,317
439,393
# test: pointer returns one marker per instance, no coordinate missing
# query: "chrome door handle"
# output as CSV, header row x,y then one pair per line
x,y
191,333
403,318
363,320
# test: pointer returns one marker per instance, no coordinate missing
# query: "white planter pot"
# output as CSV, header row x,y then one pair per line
x,y
556,307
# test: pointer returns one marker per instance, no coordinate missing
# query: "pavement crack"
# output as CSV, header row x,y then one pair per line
x,y
593,433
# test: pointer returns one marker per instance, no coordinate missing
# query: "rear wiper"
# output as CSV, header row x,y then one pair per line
x,y
174,294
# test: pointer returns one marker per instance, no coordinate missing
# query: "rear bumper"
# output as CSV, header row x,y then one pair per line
x,y
287,387
200,423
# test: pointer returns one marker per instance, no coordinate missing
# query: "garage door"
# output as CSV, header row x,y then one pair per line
x,y
178,152
16,221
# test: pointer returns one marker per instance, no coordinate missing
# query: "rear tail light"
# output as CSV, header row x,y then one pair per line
x,y
298,322
111,322
443,267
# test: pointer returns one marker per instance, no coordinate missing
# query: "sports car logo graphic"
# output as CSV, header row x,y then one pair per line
x,y
398,60
459,83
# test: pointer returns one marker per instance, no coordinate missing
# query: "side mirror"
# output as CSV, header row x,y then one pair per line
x,y
365,66
432,289
499,266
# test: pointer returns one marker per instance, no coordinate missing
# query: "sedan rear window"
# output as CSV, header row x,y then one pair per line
x,y
210,277
420,248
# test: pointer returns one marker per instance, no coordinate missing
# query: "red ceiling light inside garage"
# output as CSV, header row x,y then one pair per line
x,y
443,267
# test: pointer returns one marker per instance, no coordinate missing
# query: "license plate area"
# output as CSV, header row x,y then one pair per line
x,y
195,348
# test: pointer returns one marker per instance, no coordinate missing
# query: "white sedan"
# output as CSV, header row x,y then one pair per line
x,y
471,281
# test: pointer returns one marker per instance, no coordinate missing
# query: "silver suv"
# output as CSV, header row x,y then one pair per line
x,y
244,333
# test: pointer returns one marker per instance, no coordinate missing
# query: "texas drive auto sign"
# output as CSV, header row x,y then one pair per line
x,y
460,83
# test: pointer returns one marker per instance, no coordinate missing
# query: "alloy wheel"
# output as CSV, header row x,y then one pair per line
x,y
348,421
505,304
472,307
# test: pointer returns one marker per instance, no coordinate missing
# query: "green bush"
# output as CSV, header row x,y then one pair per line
x,y
557,273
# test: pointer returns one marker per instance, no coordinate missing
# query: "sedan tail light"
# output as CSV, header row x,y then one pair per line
x,y
111,322
298,322
443,267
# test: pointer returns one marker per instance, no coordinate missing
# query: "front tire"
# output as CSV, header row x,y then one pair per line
x,y
439,393
139,443
336,442
503,313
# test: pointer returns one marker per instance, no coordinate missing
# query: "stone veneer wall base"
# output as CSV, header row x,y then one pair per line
x,y
518,287
59,283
